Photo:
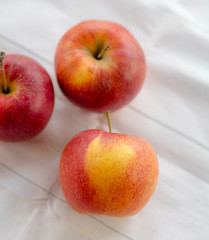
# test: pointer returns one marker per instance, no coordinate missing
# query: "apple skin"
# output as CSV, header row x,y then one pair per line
x,y
108,173
26,110
99,85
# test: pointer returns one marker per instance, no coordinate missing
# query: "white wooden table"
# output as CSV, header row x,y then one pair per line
x,y
171,112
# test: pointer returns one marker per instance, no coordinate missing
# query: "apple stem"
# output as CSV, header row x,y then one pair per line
x,y
100,55
3,80
109,121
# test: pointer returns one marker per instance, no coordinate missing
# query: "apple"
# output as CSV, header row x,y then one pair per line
x,y
108,173
26,98
99,65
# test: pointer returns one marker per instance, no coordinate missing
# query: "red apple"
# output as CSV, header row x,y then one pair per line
x,y
99,65
26,98
108,173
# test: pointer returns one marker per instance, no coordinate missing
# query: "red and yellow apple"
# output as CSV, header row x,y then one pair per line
x,y
99,65
108,173
26,98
